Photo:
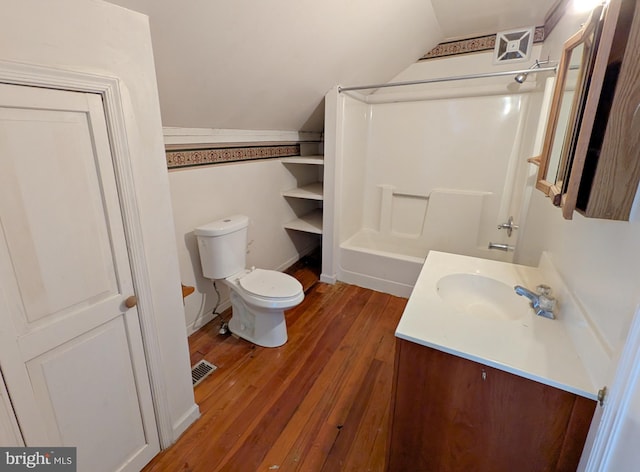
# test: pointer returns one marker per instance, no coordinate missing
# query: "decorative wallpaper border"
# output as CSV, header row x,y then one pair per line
x,y
199,157
470,45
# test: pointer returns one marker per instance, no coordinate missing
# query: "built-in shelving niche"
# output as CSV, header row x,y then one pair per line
x,y
307,196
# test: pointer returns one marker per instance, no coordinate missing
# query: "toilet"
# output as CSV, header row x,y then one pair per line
x,y
258,297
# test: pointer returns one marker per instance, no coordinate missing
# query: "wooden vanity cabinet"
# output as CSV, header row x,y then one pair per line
x,y
452,414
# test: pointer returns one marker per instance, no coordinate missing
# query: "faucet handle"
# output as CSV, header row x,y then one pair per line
x,y
543,289
545,300
542,303
547,303
509,226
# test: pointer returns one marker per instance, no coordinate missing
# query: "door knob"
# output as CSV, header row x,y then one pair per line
x,y
131,301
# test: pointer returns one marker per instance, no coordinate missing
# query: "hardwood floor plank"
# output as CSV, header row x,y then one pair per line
x,y
256,381
373,422
231,356
312,413
319,401
344,441
237,401
368,451
216,393
352,362
257,444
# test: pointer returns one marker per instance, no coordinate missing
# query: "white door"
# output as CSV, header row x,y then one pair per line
x,y
9,430
615,444
71,352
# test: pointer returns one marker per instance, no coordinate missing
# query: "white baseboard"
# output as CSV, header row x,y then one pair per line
x,y
328,279
185,421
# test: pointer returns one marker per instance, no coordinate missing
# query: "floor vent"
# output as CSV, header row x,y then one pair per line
x,y
200,371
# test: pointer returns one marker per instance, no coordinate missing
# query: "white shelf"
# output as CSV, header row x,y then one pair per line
x,y
316,160
309,223
312,191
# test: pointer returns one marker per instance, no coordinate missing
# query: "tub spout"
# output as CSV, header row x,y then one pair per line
x,y
542,302
501,247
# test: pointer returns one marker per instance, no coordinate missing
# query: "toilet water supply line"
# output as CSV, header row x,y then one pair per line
x,y
224,324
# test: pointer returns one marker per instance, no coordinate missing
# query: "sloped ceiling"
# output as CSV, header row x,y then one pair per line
x,y
469,18
246,64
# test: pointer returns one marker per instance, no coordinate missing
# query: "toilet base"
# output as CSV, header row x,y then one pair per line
x,y
261,326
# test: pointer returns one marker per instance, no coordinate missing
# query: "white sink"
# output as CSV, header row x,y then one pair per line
x,y
481,296
466,306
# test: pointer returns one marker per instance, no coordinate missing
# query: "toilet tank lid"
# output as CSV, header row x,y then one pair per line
x,y
222,226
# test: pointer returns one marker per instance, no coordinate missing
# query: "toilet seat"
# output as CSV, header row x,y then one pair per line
x,y
268,289
270,284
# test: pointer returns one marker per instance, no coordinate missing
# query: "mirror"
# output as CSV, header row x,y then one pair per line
x,y
567,103
555,166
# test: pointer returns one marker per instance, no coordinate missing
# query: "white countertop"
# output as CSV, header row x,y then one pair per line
x,y
555,352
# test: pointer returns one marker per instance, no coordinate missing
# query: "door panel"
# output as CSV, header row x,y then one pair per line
x,y
54,207
53,212
104,401
9,431
71,352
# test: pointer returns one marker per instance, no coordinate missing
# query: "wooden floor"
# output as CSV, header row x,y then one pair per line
x,y
318,403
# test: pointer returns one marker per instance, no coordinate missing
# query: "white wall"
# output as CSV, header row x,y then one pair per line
x,y
599,259
200,195
97,37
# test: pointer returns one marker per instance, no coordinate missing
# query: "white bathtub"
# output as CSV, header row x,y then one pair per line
x,y
385,262
389,259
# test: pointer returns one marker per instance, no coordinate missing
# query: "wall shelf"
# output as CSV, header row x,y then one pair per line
x,y
309,172
312,191
314,160
309,223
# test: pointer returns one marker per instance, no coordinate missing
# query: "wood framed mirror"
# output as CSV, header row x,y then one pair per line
x,y
605,172
567,104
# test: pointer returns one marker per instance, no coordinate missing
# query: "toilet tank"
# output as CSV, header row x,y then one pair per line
x,y
223,246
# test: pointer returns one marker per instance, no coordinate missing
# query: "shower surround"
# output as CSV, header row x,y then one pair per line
x,y
439,169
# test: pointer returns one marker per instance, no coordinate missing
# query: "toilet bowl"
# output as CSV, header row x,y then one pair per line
x,y
259,297
258,300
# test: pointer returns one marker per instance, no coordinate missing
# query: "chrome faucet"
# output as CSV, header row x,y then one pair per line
x,y
501,247
542,302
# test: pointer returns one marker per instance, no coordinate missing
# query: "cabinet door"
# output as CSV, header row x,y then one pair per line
x,y
451,414
617,167
606,167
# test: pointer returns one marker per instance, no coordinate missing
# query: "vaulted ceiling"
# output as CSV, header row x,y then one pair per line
x,y
249,64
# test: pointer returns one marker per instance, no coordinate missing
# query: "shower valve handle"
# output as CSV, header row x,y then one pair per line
x,y
509,226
